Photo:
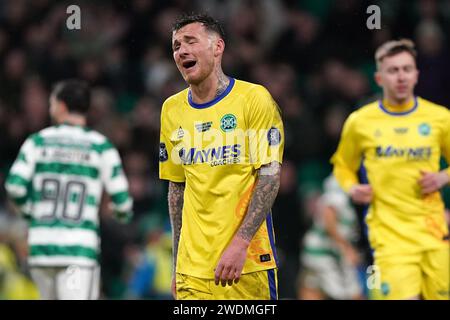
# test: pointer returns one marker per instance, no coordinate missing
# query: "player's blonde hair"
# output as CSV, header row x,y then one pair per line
x,y
393,47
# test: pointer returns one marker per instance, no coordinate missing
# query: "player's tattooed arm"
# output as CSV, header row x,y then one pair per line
x,y
231,263
263,197
176,196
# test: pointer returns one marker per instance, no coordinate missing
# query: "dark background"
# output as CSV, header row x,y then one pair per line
x,y
314,56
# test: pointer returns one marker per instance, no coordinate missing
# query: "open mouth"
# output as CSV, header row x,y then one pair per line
x,y
189,64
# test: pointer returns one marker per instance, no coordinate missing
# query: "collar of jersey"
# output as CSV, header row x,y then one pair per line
x,y
382,107
69,124
85,128
214,101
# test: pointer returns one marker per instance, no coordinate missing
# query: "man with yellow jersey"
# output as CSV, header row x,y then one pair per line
x,y
221,148
400,140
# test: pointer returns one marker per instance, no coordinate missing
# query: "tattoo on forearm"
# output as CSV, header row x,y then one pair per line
x,y
176,196
223,82
263,197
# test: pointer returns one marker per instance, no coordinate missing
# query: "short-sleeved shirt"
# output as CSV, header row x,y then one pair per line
x,y
395,147
216,149
57,181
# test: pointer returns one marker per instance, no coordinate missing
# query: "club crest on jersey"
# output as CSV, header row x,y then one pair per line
x,y
274,136
228,122
163,155
424,129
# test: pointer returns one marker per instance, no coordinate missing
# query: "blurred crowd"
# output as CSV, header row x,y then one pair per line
x,y
315,57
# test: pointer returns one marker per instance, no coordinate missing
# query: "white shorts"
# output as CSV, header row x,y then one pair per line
x,y
67,283
336,279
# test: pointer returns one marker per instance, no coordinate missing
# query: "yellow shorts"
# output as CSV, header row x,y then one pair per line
x,y
260,285
424,275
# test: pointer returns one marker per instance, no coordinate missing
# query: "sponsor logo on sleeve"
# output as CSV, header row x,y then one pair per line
x,y
163,154
274,136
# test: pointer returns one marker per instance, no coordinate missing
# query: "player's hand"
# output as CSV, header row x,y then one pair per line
x,y
430,182
231,262
361,193
174,287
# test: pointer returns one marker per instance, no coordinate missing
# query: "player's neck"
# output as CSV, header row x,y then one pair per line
x,y
395,105
210,88
73,119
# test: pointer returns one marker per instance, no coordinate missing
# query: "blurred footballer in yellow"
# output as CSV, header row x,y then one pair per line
x,y
400,140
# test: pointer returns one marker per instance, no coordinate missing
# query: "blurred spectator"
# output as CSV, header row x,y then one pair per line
x,y
433,62
151,277
14,284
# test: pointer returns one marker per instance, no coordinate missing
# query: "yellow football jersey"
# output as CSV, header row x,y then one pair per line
x,y
216,149
395,147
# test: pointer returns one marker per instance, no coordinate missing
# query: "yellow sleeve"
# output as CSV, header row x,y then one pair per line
x,y
445,141
170,167
347,158
265,128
